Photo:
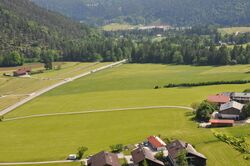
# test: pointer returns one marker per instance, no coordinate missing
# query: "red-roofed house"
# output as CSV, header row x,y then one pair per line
x,y
221,123
22,71
218,99
156,143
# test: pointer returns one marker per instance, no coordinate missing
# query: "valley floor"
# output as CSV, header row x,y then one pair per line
x,y
129,85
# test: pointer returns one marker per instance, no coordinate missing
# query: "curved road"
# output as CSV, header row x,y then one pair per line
x,y
96,111
65,81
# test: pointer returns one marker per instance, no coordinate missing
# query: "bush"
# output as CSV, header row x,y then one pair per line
x,y
246,110
171,85
204,111
1,118
116,148
80,152
159,156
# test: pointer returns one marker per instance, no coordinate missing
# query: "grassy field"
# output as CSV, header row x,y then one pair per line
x,y
15,88
131,85
232,30
116,27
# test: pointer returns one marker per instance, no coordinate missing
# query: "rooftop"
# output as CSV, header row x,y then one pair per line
x,y
219,98
236,94
232,104
104,158
156,141
221,121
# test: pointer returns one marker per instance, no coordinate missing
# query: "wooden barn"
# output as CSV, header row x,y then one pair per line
x,y
231,110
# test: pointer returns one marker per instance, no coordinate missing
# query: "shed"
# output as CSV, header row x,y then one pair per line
x,y
231,110
221,123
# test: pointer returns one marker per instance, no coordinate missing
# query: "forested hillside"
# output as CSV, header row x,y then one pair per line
x,y
174,12
30,33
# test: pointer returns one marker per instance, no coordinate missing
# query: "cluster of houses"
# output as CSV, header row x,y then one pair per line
x,y
146,151
231,106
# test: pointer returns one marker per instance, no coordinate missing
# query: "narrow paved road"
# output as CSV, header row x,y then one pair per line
x,y
96,111
65,81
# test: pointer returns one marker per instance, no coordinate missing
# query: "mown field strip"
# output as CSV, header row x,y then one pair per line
x,y
96,111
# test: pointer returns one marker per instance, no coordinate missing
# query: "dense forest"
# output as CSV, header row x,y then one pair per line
x,y
31,34
173,12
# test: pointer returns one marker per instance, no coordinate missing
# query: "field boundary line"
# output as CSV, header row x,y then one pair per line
x,y
65,81
96,111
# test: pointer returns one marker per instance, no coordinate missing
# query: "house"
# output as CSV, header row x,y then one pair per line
x,y
103,159
22,71
156,143
221,123
194,158
218,99
241,97
142,154
231,110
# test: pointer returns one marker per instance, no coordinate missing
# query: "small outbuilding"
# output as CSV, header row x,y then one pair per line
x,y
218,99
231,110
221,123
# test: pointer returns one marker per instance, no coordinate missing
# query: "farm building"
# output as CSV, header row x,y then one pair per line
x,y
103,159
231,110
140,154
218,99
241,97
221,123
194,157
156,143
22,71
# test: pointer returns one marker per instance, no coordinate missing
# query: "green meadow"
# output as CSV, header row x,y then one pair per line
x,y
129,85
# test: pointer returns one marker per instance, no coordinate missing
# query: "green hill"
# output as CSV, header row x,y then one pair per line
x,y
30,29
174,12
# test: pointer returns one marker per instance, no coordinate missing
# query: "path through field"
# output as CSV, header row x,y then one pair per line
x,y
97,111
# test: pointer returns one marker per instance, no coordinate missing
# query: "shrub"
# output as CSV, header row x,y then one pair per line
x,y
182,158
1,118
246,110
195,105
204,111
159,156
116,148
80,152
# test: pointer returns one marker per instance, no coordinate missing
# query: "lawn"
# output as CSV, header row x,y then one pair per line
x,y
15,88
116,27
130,85
232,30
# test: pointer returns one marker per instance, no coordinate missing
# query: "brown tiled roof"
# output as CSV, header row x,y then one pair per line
x,y
104,159
139,154
177,146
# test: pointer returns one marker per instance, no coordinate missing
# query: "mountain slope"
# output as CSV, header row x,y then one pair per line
x,y
25,26
174,12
